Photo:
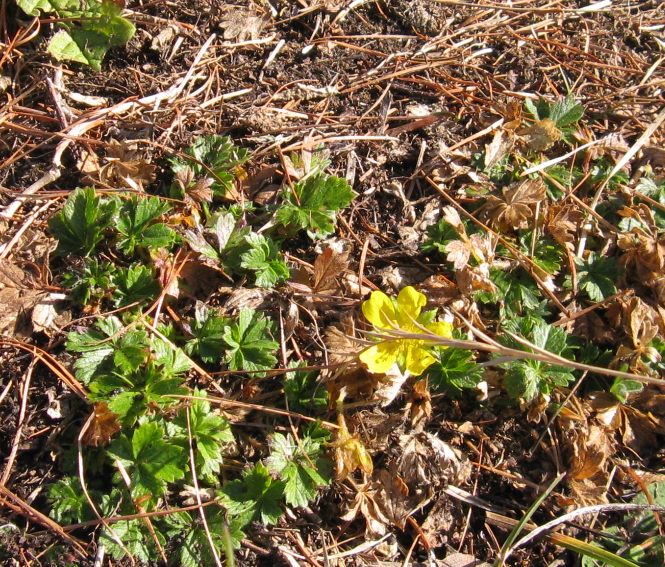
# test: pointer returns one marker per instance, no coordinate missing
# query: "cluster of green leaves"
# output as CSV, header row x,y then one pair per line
x,y
88,221
86,29
139,375
292,474
154,456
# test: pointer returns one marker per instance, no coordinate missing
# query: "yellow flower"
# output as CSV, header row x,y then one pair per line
x,y
403,314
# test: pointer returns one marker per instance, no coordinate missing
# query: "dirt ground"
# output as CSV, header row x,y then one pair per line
x,y
402,97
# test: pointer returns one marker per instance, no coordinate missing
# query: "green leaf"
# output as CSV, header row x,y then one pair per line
x,y
312,204
171,359
106,348
135,538
305,392
207,329
210,433
257,496
80,225
35,7
92,283
300,465
90,30
547,254
438,237
151,461
135,226
134,284
249,342
566,112
68,502
135,394
596,276
194,546
622,388
526,379
65,48
454,370
263,259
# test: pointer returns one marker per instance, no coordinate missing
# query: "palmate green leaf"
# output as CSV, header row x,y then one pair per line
x,y
80,225
208,335
135,537
136,224
150,460
454,370
566,112
249,343
305,392
90,284
194,547
596,276
134,284
312,204
257,496
301,466
107,348
68,502
132,395
263,259
526,379
171,360
209,431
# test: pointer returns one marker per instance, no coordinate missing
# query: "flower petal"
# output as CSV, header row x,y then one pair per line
x,y
380,311
442,328
380,357
417,359
409,303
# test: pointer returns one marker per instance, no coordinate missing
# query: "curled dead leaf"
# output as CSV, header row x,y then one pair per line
x,y
515,209
102,427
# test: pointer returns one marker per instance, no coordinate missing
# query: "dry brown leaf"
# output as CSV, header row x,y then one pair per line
x,y
327,266
393,498
541,135
562,222
124,164
365,503
103,426
591,447
458,253
426,463
18,296
420,405
515,211
240,24
501,145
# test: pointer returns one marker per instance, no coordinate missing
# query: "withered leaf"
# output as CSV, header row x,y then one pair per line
x,y
515,211
562,223
458,253
541,135
327,266
125,164
103,426
350,452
